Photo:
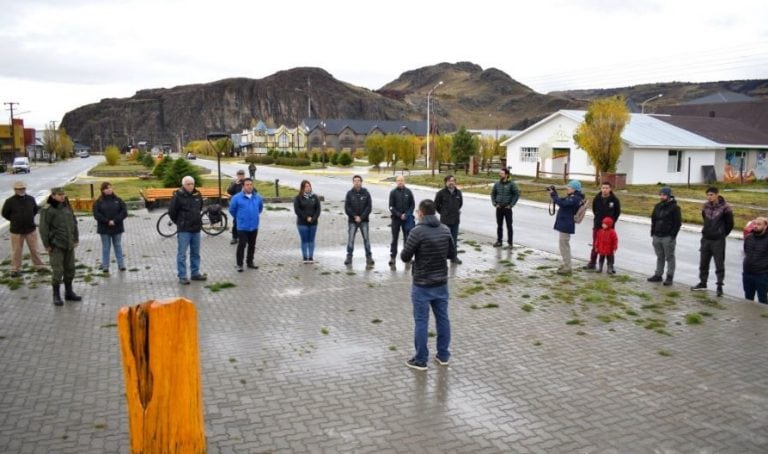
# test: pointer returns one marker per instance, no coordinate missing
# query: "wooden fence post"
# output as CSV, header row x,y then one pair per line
x,y
161,364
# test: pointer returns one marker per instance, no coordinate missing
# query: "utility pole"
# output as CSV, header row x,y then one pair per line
x,y
13,129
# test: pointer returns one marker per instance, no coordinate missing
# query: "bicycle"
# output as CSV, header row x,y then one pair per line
x,y
213,216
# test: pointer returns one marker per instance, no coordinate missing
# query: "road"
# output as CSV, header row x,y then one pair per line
x,y
533,226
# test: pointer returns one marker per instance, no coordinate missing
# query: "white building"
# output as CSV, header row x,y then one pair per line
x,y
653,151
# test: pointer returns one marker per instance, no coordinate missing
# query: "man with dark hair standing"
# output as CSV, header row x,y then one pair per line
x,y
184,210
504,196
20,210
235,187
401,206
606,204
718,223
357,206
429,245
755,270
60,236
246,206
448,202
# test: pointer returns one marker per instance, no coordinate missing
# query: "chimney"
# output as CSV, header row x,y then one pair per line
x,y
711,114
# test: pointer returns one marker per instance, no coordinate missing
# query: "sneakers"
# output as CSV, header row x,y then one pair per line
x,y
655,278
497,244
667,281
348,261
413,364
122,268
719,289
200,277
239,268
611,269
441,362
699,287
183,281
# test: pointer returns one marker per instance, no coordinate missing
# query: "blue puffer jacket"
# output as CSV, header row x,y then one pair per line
x,y
246,210
568,206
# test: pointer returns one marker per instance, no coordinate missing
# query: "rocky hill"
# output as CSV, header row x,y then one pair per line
x,y
470,96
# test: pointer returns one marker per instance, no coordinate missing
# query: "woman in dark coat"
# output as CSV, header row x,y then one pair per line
x,y
306,205
110,211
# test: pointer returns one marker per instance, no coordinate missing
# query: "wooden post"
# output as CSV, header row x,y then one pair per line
x,y
161,363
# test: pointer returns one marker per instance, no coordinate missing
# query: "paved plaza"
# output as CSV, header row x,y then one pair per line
x,y
310,358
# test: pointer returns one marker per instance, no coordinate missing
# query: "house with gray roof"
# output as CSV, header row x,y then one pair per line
x,y
350,135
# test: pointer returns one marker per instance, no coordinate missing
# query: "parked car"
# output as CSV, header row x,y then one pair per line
x,y
191,155
21,164
83,153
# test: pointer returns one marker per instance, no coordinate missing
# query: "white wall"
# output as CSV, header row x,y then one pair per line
x,y
649,166
558,133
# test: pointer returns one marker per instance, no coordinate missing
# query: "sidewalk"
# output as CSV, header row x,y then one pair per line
x,y
540,363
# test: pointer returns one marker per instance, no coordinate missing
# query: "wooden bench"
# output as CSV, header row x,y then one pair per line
x,y
154,196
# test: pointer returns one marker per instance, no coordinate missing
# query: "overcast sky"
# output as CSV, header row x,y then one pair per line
x,y
57,55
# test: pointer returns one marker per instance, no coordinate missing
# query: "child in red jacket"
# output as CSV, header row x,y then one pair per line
x,y
606,243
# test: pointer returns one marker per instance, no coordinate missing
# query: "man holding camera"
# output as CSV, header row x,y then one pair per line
x,y
504,197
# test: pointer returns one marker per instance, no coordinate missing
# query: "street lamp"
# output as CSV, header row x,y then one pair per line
x,y
321,125
642,104
429,94
212,137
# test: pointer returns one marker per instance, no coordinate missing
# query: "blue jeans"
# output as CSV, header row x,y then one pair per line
x,y
397,225
755,284
352,231
307,235
454,228
113,240
422,299
191,241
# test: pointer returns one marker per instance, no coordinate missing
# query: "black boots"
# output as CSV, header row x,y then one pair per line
x,y
57,296
69,294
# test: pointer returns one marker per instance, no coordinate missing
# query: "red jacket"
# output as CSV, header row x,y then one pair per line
x,y
606,241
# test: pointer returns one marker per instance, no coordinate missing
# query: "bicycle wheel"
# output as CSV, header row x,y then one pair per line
x,y
166,227
214,228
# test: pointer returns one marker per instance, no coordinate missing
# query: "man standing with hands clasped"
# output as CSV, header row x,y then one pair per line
x,y
504,197
20,209
60,236
357,205
718,223
430,245
401,206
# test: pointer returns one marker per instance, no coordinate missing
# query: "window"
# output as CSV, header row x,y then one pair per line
x,y
674,161
529,154
283,141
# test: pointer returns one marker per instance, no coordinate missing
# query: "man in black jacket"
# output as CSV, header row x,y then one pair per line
x,y
504,196
718,223
357,206
431,244
401,206
184,210
606,204
448,202
235,187
755,275
20,210
666,221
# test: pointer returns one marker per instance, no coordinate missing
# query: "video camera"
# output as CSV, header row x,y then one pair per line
x,y
551,188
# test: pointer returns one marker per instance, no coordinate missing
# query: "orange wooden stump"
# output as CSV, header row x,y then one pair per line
x,y
158,341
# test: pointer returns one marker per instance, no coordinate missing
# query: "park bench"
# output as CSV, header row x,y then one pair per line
x,y
153,197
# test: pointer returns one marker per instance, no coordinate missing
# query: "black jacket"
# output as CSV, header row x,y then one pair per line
x,y
20,211
756,253
235,187
449,205
718,219
605,206
185,209
109,208
432,245
666,219
358,203
401,202
505,194
305,207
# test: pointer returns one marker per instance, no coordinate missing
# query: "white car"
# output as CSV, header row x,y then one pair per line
x,y
83,153
21,165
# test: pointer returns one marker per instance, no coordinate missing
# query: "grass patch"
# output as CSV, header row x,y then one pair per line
x,y
536,343
664,353
431,334
232,360
694,319
376,321
276,208
575,321
217,286
325,331
109,325
527,307
631,312
654,323
392,348
503,279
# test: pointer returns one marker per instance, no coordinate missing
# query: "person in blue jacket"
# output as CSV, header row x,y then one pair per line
x,y
246,207
564,222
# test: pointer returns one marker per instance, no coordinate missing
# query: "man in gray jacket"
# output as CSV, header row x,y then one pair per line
x,y
504,197
431,243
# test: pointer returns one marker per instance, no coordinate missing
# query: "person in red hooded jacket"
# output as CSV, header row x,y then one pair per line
x,y
606,243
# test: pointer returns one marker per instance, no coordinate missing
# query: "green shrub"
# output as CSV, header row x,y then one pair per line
x,y
148,160
112,155
293,162
335,159
162,166
178,170
344,159
315,157
261,159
